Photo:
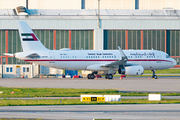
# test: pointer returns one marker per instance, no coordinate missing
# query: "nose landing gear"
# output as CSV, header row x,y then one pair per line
x,y
154,74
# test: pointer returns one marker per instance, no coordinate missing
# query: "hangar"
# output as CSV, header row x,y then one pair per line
x,y
92,24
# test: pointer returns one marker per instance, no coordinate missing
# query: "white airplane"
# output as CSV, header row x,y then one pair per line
x,y
128,62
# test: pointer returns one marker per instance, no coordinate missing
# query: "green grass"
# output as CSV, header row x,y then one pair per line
x,y
66,92
165,71
142,75
78,102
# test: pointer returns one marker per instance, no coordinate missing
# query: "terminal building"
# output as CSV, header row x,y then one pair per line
x,y
92,25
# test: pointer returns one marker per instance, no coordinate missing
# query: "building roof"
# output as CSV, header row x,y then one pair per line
x,y
91,14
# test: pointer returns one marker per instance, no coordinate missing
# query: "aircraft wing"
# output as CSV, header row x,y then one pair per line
x,y
121,62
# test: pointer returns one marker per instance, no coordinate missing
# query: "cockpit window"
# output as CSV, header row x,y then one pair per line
x,y
167,56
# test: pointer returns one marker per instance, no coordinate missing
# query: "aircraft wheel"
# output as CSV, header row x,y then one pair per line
x,y
89,76
92,76
154,77
110,76
106,76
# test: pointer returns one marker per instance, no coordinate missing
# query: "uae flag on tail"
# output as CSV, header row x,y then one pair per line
x,y
28,37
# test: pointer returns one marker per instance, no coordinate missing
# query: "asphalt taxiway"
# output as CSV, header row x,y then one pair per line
x,y
88,112
136,84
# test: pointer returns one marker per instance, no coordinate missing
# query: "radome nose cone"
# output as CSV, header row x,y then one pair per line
x,y
174,62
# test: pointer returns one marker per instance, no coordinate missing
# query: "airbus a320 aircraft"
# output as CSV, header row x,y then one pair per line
x,y
128,62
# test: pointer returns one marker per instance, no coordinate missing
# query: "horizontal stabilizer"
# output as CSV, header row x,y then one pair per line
x,y
9,54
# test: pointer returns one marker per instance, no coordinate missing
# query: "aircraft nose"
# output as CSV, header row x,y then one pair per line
x,y
173,62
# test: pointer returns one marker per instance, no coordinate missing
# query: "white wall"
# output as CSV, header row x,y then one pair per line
x,y
54,4
13,73
110,4
159,4
11,4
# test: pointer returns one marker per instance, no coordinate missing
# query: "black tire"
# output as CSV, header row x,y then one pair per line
x,y
106,76
110,76
89,76
92,76
155,77
119,71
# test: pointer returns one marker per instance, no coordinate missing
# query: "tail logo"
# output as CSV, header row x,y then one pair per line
x,y
28,37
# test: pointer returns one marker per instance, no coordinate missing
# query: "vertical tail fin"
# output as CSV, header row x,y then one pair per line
x,y
29,40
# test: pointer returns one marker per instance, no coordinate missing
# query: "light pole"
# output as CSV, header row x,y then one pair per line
x,y
98,14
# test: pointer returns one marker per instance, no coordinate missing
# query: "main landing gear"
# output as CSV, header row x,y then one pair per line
x,y
154,75
109,76
92,76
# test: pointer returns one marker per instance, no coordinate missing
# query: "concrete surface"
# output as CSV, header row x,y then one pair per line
x,y
88,112
136,84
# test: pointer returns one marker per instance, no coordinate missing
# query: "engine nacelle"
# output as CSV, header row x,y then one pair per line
x,y
132,70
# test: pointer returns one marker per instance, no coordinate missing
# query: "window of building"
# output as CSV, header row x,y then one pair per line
x,y
25,69
9,69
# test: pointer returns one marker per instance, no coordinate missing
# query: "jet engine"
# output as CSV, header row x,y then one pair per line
x,y
131,70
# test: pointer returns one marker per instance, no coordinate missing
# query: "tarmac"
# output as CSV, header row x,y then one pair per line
x,y
89,112
131,84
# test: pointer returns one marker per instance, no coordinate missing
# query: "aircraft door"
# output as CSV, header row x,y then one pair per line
x,y
158,58
51,57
